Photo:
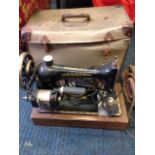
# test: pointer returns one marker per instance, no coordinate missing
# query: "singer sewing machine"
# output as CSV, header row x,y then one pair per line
x,y
61,95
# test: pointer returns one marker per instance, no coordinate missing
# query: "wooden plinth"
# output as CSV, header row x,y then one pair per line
x,y
76,120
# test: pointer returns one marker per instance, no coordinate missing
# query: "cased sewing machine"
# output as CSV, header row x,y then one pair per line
x,y
71,69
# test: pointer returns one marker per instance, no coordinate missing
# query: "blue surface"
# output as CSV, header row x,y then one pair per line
x,y
42,140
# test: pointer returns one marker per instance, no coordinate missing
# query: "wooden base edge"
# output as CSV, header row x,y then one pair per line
x,y
85,121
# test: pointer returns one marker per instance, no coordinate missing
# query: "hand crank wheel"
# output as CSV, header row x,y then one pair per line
x,y
26,65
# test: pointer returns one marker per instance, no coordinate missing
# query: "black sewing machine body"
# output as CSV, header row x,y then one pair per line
x,y
62,89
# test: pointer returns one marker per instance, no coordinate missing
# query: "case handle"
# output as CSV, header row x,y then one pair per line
x,y
66,16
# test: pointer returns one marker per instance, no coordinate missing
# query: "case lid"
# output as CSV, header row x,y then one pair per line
x,y
82,25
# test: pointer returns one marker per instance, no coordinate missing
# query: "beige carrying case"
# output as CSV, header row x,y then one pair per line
x,y
85,37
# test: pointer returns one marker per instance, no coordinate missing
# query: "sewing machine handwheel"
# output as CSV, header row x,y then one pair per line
x,y
26,67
